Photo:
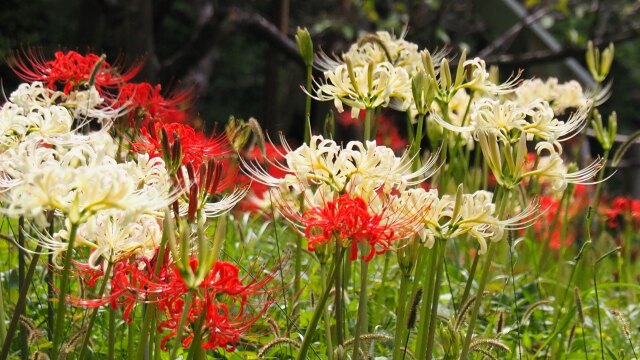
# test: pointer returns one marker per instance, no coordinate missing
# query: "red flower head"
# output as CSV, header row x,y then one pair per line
x,y
71,70
147,103
225,304
628,208
349,220
192,146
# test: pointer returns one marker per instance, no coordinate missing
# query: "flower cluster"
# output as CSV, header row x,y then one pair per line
x,y
224,305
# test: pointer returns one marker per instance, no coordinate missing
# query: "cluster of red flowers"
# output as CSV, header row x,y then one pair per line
x,y
71,70
225,305
550,225
348,219
622,208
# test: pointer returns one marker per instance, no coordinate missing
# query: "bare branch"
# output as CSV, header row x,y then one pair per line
x,y
541,56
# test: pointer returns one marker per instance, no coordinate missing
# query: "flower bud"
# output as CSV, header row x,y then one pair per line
x,y
445,75
599,64
423,92
238,133
461,72
427,62
305,45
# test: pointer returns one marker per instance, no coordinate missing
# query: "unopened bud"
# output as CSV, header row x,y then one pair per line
x,y
305,45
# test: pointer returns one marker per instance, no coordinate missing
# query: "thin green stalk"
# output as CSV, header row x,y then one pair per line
x,y
383,285
130,338
367,124
472,274
401,321
111,350
311,329
178,339
425,307
595,287
94,313
22,336
195,350
600,183
3,315
20,305
501,210
149,314
515,299
338,297
64,284
435,300
307,107
415,144
361,323
325,313
476,305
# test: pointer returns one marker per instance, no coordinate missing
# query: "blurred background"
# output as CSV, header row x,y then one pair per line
x,y
240,59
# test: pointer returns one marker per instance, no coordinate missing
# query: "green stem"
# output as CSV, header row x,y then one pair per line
x,y
367,124
195,350
338,282
149,313
472,274
425,307
307,107
435,300
325,313
401,321
3,315
415,144
311,329
111,350
20,305
476,305
183,318
94,313
600,183
595,287
361,323
22,336
64,284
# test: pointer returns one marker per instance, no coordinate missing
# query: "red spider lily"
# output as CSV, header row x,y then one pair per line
x,y
193,146
349,220
70,69
224,303
628,208
551,206
147,103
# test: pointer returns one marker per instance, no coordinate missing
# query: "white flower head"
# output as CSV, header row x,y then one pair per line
x,y
365,87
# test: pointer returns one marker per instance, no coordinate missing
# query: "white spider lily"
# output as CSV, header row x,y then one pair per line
x,y
355,167
551,168
218,207
480,79
377,48
365,87
78,182
451,217
111,235
547,127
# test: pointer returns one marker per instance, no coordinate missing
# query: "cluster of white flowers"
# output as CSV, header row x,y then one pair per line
x,y
48,166
450,217
561,96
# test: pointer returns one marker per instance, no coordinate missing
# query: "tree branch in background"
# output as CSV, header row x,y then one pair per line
x,y
266,30
512,32
542,56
